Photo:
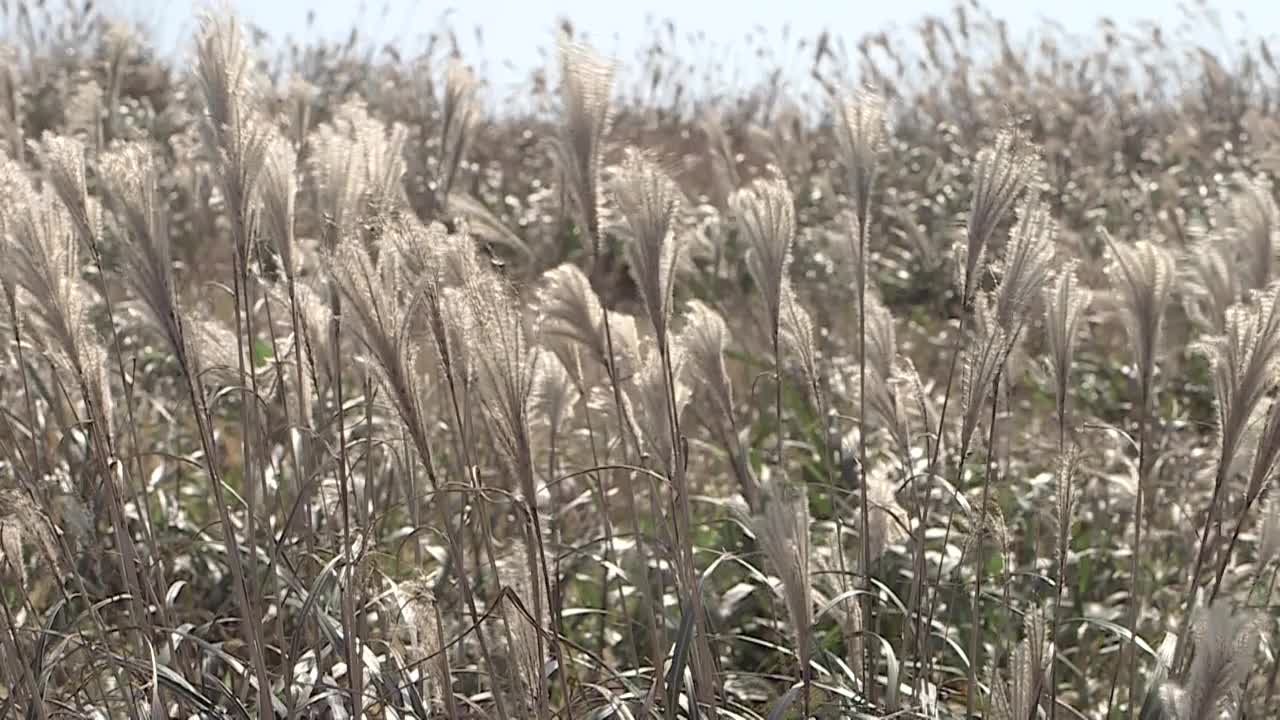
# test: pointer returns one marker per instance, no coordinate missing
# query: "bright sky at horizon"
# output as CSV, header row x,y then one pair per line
x,y
514,31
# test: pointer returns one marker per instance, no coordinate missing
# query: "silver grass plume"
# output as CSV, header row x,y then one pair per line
x,y
22,522
1244,360
43,260
649,201
63,160
11,101
586,83
886,518
1225,643
457,126
278,191
1142,274
1067,499
1210,282
983,358
232,130
1255,221
797,336
553,394
705,337
782,528
571,310
1065,302
1002,172
418,617
357,166
487,226
130,178
861,136
1027,263
649,403
505,351
724,164
766,214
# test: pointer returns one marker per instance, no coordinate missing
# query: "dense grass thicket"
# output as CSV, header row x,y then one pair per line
x,y
911,384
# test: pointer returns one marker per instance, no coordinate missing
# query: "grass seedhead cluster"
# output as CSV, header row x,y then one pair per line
x,y
337,384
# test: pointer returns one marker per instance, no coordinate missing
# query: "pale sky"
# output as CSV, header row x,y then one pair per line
x,y
514,30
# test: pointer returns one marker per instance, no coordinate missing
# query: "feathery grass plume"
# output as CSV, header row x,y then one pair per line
x,y
278,191
1066,498
782,528
767,216
586,82
418,618
797,336
886,518
488,227
649,404
232,130
983,359
21,523
1142,274
63,160
571,310
649,201
724,164
861,134
357,165
11,100
1211,282
1225,643
1028,666
130,178
84,112
457,126
1255,222
1001,173
1027,263
704,338
1244,360
505,352
517,575
44,261
1065,302
553,394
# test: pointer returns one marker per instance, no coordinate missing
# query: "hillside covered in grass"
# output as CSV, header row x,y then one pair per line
x,y
938,380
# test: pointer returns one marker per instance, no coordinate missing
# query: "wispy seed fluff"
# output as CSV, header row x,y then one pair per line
x,y
1026,265
1211,283
1142,275
1225,644
1065,302
42,258
983,358
1255,221
782,529
705,337
1244,360
357,164
505,353
278,190
797,335
571,311
649,201
458,113
861,133
1027,667
1000,175
130,178
63,159
586,82
650,401
767,217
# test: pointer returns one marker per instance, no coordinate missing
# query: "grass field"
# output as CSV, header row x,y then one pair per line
x,y
918,386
